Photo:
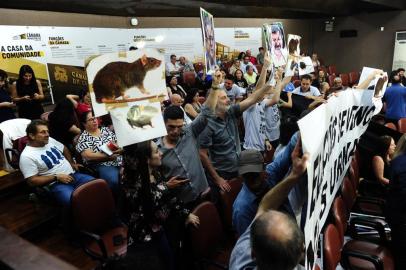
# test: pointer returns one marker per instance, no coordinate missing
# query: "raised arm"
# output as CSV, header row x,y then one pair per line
x,y
255,97
211,100
274,198
264,71
364,85
74,99
280,84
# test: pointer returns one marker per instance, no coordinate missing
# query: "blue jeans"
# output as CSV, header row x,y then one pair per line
x,y
110,174
62,192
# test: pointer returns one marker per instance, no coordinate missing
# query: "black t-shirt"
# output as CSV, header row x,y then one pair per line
x,y
241,83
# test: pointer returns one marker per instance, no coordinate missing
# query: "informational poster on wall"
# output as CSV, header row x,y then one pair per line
x,y
64,49
330,135
188,41
39,46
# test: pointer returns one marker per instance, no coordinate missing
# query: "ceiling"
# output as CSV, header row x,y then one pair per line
x,y
219,8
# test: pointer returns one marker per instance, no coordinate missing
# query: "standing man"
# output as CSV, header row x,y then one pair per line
x,y
260,56
305,88
180,148
220,143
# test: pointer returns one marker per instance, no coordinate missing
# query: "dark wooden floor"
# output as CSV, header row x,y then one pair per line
x,y
37,221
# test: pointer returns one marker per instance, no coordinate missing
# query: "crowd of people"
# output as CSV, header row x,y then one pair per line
x,y
245,128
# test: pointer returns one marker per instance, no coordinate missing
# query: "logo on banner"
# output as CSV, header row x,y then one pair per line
x,y
30,36
241,34
60,74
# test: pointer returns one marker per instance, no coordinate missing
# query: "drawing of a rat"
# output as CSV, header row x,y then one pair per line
x,y
115,78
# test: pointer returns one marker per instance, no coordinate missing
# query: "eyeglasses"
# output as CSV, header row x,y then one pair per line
x,y
91,119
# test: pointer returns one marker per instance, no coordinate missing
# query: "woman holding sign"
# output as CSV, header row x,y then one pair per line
x,y
27,94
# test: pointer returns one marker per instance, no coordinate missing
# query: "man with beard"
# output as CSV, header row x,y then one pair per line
x,y
278,55
220,143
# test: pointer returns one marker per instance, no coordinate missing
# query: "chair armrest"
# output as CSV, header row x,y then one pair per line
x,y
12,157
376,223
98,240
346,254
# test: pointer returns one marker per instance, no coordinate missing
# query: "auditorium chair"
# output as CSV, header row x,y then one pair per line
x,y
354,254
324,69
345,79
391,126
332,70
189,78
354,77
360,204
45,115
198,67
103,236
331,80
13,154
208,247
259,68
227,201
402,125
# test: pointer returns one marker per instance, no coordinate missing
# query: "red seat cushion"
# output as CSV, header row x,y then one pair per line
x,y
113,249
371,249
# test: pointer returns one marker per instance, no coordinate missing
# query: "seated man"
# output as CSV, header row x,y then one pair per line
x,y
177,101
273,240
305,88
47,162
234,92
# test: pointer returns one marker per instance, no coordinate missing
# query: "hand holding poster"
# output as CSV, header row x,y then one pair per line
x,y
209,42
330,135
116,78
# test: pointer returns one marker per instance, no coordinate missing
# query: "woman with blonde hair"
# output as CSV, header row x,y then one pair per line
x,y
400,147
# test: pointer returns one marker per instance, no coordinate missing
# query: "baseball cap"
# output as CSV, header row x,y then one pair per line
x,y
250,161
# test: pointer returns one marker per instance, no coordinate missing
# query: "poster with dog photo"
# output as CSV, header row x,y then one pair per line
x,y
138,122
292,66
305,65
118,78
209,43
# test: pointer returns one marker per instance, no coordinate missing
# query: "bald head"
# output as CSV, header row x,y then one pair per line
x,y
176,100
276,240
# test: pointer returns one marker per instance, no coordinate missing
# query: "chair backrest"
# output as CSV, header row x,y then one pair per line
x,y
93,207
354,77
331,79
189,78
345,79
209,233
332,247
332,70
402,125
13,155
198,67
227,200
340,216
348,193
296,83
391,126
259,68
45,115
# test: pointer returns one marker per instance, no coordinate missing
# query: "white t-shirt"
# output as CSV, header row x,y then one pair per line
x,y
172,67
46,160
234,93
254,122
313,91
272,119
